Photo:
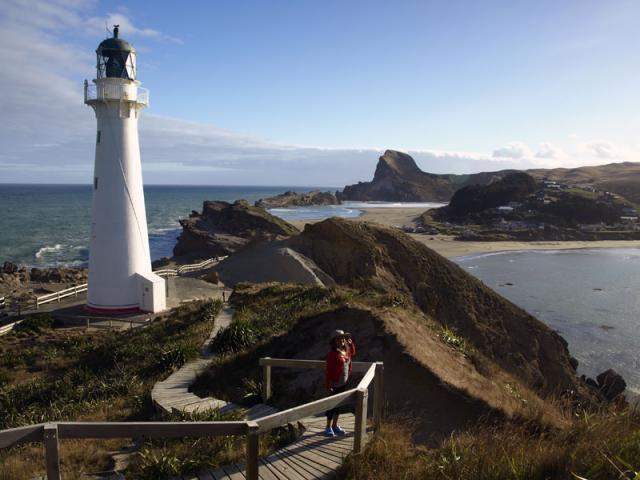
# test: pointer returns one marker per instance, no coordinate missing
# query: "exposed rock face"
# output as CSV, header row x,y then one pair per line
x,y
59,275
271,262
398,179
224,228
611,384
294,199
366,255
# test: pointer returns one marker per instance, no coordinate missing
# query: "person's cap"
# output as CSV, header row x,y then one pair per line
x,y
339,334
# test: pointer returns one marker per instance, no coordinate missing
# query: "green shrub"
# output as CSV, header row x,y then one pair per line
x,y
35,323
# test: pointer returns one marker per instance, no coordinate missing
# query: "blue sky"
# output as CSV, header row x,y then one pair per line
x,y
301,92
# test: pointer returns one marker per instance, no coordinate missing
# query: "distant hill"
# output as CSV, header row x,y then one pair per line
x,y
398,178
621,178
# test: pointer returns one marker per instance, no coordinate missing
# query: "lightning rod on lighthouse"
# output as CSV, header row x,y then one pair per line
x,y
120,276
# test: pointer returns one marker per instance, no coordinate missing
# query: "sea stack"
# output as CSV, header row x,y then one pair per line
x,y
120,276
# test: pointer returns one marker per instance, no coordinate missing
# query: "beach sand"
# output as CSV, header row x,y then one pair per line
x,y
448,247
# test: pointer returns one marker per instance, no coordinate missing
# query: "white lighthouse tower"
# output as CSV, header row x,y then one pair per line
x,y
120,277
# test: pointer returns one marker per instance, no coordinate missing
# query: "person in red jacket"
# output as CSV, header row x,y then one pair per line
x,y
338,372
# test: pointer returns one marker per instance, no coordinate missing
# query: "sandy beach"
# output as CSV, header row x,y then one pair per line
x,y
448,247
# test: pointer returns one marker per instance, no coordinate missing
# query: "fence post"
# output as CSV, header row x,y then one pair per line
x,y
266,381
253,445
52,455
58,296
378,395
360,434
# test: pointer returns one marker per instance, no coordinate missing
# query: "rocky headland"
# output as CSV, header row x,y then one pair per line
x,y
18,280
223,228
295,199
398,179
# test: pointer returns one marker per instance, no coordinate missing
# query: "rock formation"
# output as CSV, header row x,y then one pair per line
x,y
224,228
398,179
294,199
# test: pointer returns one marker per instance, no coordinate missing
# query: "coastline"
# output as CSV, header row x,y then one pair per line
x,y
448,247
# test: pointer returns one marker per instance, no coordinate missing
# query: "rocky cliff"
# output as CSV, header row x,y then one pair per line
x,y
224,228
398,179
294,199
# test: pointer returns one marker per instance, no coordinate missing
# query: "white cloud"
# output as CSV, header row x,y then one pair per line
x,y
550,151
602,149
514,150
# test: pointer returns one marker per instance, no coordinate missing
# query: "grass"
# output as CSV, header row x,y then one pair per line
x,y
158,459
263,312
597,446
68,374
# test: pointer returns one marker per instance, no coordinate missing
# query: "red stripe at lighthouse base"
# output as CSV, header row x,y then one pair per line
x,y
112,310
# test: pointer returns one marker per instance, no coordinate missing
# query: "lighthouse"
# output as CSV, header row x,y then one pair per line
x,y
120,276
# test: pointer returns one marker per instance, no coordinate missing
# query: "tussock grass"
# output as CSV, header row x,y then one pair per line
x,y
68,374
597,446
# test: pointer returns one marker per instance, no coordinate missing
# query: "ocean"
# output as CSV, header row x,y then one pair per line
x,y
590,297
48,225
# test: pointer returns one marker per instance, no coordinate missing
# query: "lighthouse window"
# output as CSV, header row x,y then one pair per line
x,y
95,183
98,137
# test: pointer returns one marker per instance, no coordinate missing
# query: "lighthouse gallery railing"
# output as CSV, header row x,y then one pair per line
x,y
116,91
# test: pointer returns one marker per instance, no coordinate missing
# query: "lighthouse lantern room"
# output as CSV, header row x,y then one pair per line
x,y
120,276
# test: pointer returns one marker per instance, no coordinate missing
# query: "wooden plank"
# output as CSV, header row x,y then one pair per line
x,y
341,449
16,436
233,472
291,415
265,473
52,454
284,470
205,476
266,382
295,363
360,433
319,471
149,429
378,395
310,455
252,451
299,469
219,474
274,471
368,377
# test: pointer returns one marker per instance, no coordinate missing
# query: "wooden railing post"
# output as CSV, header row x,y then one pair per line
x,y
266,382
360,434
52,455
378,395
253,446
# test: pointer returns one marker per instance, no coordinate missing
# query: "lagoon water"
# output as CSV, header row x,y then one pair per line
x,y
589,296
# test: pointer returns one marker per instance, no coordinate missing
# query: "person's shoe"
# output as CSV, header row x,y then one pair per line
x,y
339,431
328,432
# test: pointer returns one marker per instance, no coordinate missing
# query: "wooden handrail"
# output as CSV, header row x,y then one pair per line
x,y
368,377
51,433
16,436
295,363
302,411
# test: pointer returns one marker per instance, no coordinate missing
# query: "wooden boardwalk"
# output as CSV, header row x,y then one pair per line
x,y
313,456
173,393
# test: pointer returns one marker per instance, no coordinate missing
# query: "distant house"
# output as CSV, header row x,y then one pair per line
x,y
594,227
505,209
